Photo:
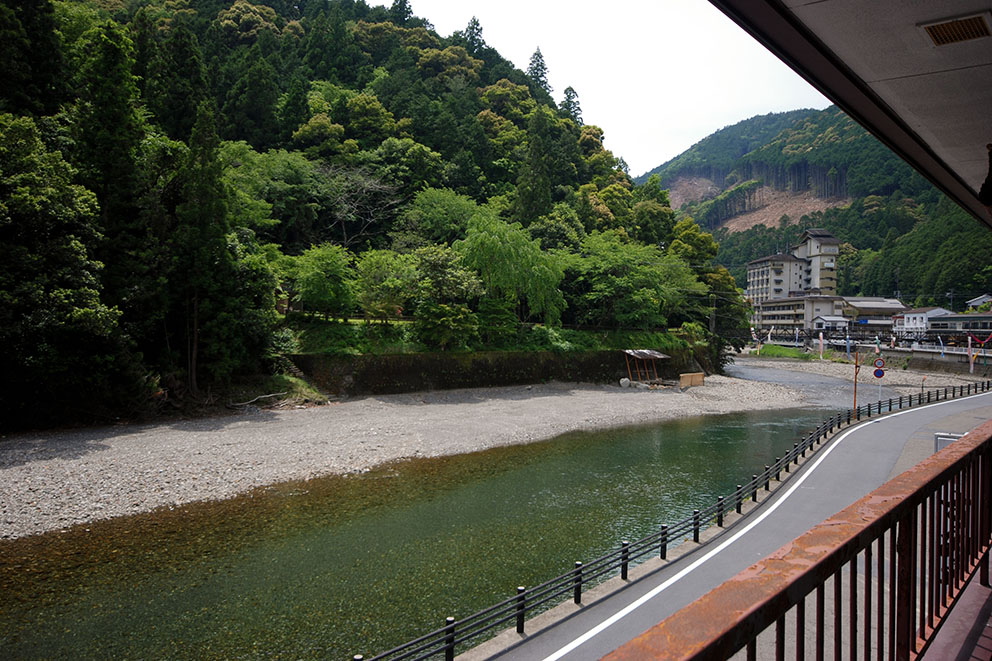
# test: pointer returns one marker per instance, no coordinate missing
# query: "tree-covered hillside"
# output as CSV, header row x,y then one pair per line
x,y
901,236
178,179
716,155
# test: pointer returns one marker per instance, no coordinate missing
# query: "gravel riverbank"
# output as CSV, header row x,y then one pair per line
x,y
52,480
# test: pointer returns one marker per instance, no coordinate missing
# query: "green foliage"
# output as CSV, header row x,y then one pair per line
x,y
32,73
513,266
442,278
444,326
560,229
384,282
624,284
498,325
776,351
323,281
693,245
178,82
222,304
436,216
63,358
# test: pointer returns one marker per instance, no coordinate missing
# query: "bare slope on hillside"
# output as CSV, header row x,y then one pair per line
x,y
691,189
776,203
779,203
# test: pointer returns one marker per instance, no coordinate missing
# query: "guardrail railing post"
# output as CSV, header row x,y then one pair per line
x,y
449,639
521,607
664,542
624,559
768,474
577,583
778,470
739,498
695,526
905,574
795,454
719,511
754,488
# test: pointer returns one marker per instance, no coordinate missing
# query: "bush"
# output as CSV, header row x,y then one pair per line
x,y
443,326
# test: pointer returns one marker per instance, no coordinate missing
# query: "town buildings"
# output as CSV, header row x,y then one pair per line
x,y
799,291
915,322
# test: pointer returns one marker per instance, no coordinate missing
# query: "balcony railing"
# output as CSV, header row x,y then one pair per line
x,y
881,574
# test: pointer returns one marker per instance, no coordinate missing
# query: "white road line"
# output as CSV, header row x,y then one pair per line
x,y
619,615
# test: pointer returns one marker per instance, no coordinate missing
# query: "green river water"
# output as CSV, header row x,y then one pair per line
x,y
359,563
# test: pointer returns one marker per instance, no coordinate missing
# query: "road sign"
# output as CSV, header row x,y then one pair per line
x,y
879,373
879,362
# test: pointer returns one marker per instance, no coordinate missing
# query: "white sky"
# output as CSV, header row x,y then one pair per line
x,y
656,75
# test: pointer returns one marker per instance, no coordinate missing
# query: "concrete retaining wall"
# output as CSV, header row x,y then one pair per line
x,y
372,375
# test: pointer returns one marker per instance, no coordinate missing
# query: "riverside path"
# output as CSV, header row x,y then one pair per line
x,y
854,462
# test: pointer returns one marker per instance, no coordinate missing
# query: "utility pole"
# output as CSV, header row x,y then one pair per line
x,y
713,314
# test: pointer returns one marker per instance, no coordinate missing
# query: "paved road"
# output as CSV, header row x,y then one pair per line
x,y
854,463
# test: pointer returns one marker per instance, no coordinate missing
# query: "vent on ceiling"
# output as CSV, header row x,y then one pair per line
x,y
958,29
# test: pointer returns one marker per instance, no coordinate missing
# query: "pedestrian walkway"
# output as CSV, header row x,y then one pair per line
x,y
854,462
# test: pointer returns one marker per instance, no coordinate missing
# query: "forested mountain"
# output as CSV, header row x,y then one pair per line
x,y
170,170
716,155
901,236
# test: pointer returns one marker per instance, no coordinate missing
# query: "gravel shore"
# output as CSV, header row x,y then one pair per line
x,y
52,480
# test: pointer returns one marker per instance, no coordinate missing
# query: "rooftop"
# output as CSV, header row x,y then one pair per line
x,y
780,257
874,303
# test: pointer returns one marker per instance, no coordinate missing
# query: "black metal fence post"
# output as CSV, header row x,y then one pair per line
x,y
577,589
624,559
754,488
449,639
664,542
768,473
695,526
521,608
778,471
719,511
740,497
795,454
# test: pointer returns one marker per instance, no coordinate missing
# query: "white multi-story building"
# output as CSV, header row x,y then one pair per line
x,y
788,291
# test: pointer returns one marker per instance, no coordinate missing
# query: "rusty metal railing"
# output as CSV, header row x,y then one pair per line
x,y
874,581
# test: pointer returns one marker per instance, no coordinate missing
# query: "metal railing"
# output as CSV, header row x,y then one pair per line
x,y
882,574
528,600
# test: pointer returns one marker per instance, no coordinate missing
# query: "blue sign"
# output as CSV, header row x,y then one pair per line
x,y
863,322
879,373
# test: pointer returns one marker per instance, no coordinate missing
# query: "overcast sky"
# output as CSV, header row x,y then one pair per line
x,y
656,75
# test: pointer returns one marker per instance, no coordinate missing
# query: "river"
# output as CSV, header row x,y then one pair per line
x,y
356,564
